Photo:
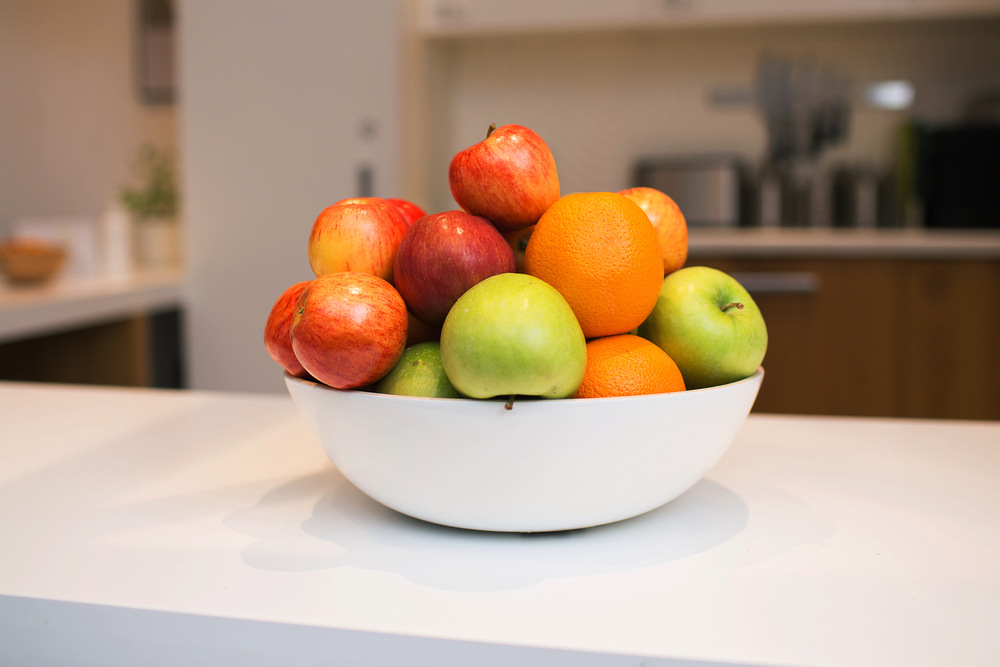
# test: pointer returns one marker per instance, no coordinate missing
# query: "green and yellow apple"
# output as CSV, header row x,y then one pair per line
x,y
419,372
513,334
709,325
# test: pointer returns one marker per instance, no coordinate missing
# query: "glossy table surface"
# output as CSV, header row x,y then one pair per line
x,y
161,528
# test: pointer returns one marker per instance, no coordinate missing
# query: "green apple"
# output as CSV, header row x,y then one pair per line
x,y
513,334
418,372
709,325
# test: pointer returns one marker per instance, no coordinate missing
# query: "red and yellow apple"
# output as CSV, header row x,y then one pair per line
x,y
668,221
349,328
411,212
359,234
277,340
509,177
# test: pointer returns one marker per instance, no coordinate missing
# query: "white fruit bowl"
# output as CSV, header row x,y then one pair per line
x,y
543,465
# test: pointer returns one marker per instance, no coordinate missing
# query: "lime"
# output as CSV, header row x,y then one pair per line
x,y
418,372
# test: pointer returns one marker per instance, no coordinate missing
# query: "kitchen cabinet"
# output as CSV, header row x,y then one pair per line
x,y
95,330
112,353
456,18
876,336
142,350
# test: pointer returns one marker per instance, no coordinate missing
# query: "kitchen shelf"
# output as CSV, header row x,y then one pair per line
x,y
466,18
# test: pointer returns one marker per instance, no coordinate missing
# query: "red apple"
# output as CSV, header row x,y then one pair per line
x,y
509,178
443,255
349,329
668,221
358,234
410,211
277,341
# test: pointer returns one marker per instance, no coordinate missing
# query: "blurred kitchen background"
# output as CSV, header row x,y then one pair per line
x,y
841,158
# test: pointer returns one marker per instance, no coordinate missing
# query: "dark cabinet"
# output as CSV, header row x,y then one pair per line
x,y
140,351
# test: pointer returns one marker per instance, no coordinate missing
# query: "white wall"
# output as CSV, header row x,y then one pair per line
x,y
70,119
273,95
602,100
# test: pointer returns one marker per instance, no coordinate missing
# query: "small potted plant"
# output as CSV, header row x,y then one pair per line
x,y
152,202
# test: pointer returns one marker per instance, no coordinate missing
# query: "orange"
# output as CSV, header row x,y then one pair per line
x,y
627,365
601,252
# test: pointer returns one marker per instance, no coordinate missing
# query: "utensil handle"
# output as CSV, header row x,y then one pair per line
x,y
779,282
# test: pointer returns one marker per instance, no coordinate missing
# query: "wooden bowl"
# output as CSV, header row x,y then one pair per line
x,y
31,261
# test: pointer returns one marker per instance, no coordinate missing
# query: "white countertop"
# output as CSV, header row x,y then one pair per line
x,y
845,243
163,528
73,302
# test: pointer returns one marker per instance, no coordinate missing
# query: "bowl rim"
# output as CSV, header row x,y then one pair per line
x,y
532,399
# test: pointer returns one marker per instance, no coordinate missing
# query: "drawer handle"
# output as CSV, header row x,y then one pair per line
x,y
783,282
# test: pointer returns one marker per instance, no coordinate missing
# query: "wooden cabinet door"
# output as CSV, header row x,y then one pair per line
x,y
113,353
949,343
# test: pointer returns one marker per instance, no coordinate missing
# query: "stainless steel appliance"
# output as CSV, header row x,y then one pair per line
x,y
708,189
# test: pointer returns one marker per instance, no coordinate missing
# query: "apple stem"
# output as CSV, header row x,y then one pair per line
x,y
509,405
735,304
492,128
